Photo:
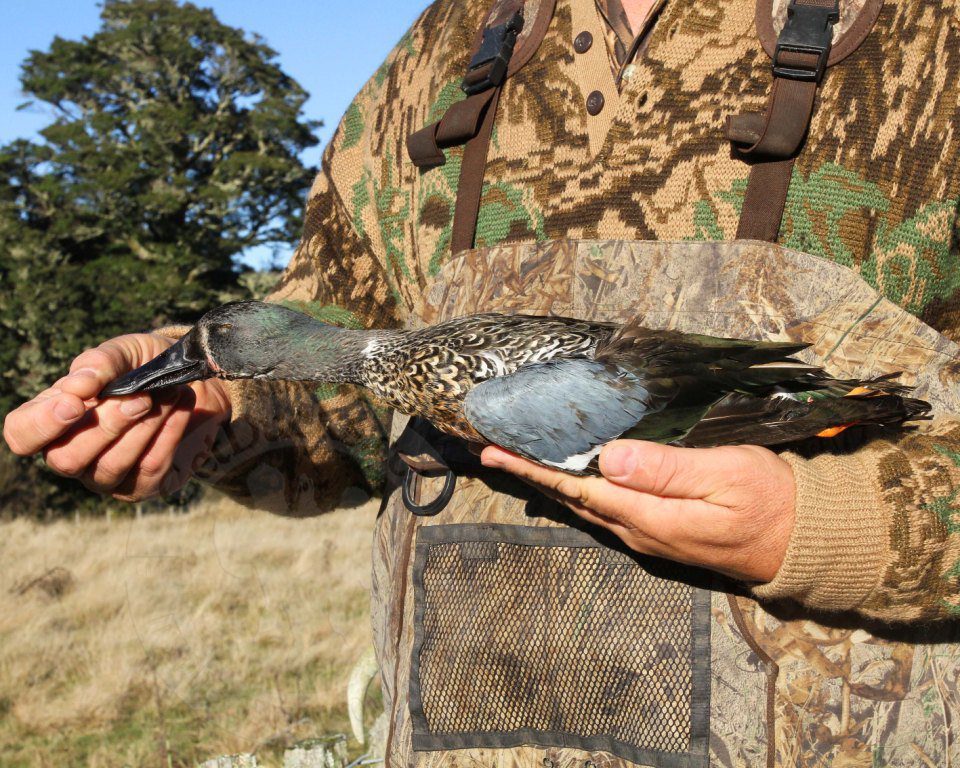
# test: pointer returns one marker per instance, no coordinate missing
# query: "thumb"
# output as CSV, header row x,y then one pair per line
x,y
665,470
93,369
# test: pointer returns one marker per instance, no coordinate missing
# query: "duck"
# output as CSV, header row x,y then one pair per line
x,y
552,389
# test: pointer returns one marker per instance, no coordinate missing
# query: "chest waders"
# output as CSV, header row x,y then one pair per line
x,y
509,632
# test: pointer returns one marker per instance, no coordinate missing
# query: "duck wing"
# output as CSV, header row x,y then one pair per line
x,y
559,412
733,363
671,387
643,384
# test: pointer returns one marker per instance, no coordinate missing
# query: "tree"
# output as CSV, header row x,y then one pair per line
x,y
174,146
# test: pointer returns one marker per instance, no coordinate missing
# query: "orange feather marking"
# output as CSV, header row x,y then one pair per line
x,y
833,431
863,391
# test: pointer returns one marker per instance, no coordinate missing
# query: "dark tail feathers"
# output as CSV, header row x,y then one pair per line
x,y
745,420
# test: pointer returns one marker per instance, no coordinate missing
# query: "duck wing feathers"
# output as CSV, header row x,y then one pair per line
x,y
673,353
650,385
560,412
678,388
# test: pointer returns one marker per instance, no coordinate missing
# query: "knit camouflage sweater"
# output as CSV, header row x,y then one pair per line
x,y
876,189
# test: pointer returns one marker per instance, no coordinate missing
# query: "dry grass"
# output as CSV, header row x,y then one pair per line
x,y
171,639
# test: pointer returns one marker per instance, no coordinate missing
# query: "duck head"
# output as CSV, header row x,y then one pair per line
x,y
250,339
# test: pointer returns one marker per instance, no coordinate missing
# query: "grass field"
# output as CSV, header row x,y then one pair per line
x,y
168,640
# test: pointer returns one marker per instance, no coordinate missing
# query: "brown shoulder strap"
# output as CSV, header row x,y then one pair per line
x,y
485,74
470,187
771,142
470,121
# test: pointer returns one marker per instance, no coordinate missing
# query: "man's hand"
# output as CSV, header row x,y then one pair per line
x,y
729,509
133,447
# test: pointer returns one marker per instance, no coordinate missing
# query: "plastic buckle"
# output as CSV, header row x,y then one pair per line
x,y
496,48
809,29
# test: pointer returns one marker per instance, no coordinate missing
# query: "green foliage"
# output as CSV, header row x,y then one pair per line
x,y
174,146
260,284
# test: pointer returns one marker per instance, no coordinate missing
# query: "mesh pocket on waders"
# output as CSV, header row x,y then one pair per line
x,y
544,636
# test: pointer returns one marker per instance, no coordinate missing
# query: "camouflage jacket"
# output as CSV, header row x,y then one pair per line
x,y
876,189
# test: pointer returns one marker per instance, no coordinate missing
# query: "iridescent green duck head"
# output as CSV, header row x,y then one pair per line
x,y
252,340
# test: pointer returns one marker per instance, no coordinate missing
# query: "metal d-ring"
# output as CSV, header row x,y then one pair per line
x,y
435,506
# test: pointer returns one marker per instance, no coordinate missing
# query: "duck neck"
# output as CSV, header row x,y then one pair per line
x,y
326,353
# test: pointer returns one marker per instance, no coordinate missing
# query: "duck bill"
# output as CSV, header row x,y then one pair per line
x,y
177,365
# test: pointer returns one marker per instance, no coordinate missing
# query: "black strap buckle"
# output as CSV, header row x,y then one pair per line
x,y
410,493
496,48
809,29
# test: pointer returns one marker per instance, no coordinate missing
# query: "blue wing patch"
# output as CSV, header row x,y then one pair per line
x,y
560,412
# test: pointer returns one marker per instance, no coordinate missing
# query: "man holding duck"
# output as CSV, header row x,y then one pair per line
x,y
603,160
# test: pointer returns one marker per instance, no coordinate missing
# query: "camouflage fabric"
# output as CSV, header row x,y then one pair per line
x,y
875,190
622,40
849,694
859,197
849,11
619,22
842,690
874,195
618,35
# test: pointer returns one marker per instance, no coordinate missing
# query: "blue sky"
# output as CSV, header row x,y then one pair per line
x,y
330,46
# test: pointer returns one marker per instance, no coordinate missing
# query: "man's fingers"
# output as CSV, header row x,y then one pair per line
x,y
171,459
566,485
683,504
110,468
71,454
191,454
618,529
664,470
47,394
32,426
145,479
622,509
659,470
591,493
92,370
85,383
